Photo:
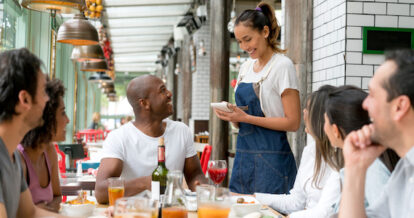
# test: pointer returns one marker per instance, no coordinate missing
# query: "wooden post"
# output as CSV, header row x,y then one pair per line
x,y
171,80
187,78
219,75
298,35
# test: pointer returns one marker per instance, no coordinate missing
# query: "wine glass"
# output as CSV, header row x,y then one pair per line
x,y
217,170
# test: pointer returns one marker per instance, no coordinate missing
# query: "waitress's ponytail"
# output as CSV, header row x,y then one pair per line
x,y
274,28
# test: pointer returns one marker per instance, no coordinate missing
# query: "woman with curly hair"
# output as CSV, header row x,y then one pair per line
x,y
39,157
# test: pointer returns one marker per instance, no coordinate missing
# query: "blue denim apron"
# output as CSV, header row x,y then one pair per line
x,y
264,161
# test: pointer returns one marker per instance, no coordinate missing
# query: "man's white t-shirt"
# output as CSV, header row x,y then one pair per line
x,y
139,152
282,76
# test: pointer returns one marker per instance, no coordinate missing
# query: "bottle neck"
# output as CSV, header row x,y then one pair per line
x,y
161,154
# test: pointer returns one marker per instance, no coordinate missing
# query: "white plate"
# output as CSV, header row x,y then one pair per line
x,y
241,210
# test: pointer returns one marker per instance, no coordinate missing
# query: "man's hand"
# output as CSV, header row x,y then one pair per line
x,y
359,151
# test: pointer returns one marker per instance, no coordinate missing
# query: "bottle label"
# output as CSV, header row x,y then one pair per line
x,y
155,190
161,154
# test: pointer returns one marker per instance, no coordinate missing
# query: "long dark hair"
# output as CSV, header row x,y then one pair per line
x,y
324,150
344,108
44,133
263,15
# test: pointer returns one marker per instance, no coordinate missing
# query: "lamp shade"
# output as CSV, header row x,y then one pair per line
x,y
105,84
88,53
100,77
108,90
60,6
78,31
94,66
113,97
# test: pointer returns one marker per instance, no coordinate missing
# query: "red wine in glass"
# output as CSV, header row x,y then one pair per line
x,y
217,171
217,175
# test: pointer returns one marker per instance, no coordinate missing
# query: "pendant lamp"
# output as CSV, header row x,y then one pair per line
x,y
60,6
78,31
94,66
109,90
106,84
113,97
100,77
92,53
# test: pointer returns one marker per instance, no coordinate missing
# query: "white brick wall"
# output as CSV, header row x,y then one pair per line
x,y
374,8
386,21
344,40
406,22
329,41
200,108
398,9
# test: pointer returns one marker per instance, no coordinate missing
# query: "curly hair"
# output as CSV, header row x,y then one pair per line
x,y
44,133
19,70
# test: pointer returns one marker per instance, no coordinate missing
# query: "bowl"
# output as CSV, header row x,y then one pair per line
x,y
78,210
242,209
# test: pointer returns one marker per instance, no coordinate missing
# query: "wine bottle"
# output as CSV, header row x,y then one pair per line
x,y
159,175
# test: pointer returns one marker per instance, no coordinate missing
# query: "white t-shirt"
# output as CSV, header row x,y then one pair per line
x,y
139,152
304,199
282,75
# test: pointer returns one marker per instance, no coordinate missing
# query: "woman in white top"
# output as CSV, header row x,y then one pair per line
x,y
267,88
316,187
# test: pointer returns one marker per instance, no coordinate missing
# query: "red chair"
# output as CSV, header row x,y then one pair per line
x,y
205,157
91,135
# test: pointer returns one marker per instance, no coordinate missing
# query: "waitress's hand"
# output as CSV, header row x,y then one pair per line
x,y
236,116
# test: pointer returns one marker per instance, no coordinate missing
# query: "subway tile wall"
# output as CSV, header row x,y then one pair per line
x,y
329,22
200,102
333,36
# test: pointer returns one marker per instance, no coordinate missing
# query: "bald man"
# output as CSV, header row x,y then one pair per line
x,y
131,150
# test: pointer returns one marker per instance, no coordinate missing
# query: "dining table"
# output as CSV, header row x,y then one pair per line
x,y
265,210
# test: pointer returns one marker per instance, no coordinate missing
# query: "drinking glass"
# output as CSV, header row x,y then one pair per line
x,y
116,189
217,170
213,202
136,207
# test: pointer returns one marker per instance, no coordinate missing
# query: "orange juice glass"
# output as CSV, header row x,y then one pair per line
x,y
213,211
136,207
174,212
116,189
213,202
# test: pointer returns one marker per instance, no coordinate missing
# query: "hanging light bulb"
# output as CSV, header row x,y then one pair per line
x,y
60,6
230,25
92,53
78,31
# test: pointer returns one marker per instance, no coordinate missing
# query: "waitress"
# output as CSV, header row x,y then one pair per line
x,y
267,85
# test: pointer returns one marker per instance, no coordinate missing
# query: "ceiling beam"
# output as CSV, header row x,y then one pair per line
x,y
141,31
146,11
131,45
133,50
141,2
135,59
140,38
135,69
143,22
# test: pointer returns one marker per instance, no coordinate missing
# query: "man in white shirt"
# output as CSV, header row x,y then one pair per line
x,y
390,105
131,150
